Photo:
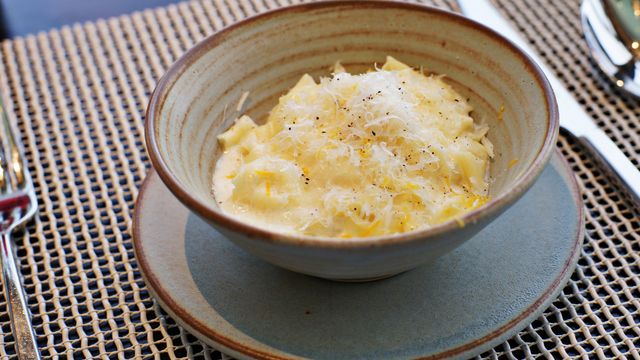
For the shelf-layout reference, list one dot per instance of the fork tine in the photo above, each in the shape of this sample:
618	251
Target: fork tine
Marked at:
18	167
13	163
4	182
5	176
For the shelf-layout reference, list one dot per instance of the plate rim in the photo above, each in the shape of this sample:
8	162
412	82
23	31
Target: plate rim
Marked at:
235	348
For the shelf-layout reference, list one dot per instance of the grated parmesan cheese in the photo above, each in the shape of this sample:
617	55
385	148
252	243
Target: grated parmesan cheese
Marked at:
388	151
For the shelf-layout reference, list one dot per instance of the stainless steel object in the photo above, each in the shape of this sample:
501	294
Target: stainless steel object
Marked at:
17	205
625	18
611	35
572	117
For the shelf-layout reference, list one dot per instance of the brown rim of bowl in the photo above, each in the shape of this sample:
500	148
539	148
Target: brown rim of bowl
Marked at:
208	212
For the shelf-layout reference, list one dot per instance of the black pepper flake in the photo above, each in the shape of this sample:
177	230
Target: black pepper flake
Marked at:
317	117
373	133
289	128
324	132
306	178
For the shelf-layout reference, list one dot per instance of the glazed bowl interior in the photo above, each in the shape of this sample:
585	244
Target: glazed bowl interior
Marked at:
266	55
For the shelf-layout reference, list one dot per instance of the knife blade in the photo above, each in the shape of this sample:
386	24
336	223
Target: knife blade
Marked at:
573	118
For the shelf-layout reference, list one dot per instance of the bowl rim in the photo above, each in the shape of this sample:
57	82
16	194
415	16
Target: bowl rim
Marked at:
494	206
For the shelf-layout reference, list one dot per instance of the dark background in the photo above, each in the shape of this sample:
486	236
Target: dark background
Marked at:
21	17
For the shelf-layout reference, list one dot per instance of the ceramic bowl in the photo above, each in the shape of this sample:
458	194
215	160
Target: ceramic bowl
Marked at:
265	55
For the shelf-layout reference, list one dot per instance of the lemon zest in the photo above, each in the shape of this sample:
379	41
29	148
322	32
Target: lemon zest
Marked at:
264	173
501	113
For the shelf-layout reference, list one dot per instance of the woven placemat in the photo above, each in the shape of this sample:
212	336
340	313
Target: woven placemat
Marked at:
78	96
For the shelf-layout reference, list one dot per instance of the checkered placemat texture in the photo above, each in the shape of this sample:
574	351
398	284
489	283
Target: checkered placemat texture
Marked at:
78	97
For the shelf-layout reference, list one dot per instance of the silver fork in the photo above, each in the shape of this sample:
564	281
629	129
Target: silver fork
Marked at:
18	204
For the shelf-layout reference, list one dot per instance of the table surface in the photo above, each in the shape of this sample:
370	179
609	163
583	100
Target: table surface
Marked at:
78	97
19	17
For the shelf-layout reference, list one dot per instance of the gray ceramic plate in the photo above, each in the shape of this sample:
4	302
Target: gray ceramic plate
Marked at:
466	302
